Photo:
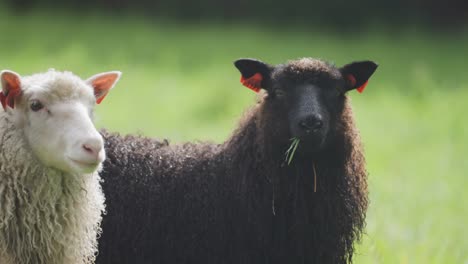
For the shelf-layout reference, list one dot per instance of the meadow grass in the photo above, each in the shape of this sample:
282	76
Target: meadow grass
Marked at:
179	83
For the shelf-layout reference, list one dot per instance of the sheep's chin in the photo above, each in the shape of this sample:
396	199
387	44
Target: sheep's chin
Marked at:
80	167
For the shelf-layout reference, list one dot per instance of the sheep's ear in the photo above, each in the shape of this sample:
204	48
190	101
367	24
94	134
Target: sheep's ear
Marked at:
255	74
102	83
11	88
357	74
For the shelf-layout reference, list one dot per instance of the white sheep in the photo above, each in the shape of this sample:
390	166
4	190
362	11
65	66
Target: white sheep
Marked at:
50	195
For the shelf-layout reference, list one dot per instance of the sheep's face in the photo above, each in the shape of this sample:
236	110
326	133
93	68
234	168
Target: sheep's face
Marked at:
308	109
55	112
304	98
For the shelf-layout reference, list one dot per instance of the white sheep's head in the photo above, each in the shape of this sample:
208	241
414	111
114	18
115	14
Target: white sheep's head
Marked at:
54	110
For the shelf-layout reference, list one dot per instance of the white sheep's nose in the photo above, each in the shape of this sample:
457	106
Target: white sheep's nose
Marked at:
93	148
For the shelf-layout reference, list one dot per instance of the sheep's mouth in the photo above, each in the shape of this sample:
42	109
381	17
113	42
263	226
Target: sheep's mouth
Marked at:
310	141
85	164
309	145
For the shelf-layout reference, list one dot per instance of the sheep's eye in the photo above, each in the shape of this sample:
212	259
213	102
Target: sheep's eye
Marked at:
36	105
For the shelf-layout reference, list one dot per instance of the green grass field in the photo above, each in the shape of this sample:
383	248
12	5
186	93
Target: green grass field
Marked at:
179	83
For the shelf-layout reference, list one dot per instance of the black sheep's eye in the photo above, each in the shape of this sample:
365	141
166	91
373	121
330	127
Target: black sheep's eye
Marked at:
36	105
280	93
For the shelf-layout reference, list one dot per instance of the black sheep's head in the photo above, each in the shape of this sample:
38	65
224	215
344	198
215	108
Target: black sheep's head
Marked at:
304	97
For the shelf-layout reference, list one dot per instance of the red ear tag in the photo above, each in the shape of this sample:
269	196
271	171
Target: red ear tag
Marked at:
362	87
3	100
254	83
9	99
12	95
352	81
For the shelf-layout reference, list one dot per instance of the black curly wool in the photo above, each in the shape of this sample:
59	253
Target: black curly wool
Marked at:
236	202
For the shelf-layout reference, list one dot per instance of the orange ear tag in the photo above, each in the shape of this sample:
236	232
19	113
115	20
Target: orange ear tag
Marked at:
254	83
9	99
352	82
361	88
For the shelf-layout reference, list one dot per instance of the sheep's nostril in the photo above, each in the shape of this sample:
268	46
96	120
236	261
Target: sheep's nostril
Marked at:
89	149
92	146
311	124
317	125
304	125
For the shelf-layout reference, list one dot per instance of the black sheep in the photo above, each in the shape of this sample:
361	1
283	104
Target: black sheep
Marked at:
240	201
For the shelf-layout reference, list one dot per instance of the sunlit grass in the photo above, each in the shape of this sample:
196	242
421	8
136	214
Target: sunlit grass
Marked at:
179	82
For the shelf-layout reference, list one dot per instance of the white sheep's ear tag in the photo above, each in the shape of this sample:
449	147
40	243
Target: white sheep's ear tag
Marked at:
102	83
11	88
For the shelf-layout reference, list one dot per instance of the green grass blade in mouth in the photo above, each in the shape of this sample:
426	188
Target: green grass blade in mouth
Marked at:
292	149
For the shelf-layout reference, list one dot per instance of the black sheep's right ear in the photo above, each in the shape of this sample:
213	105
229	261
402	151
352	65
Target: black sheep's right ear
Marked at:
255	74
357	74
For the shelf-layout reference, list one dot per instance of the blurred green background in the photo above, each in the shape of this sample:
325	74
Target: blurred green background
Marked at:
179	83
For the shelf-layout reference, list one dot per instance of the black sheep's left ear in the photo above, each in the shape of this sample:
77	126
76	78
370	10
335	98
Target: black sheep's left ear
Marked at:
357	74
255	74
